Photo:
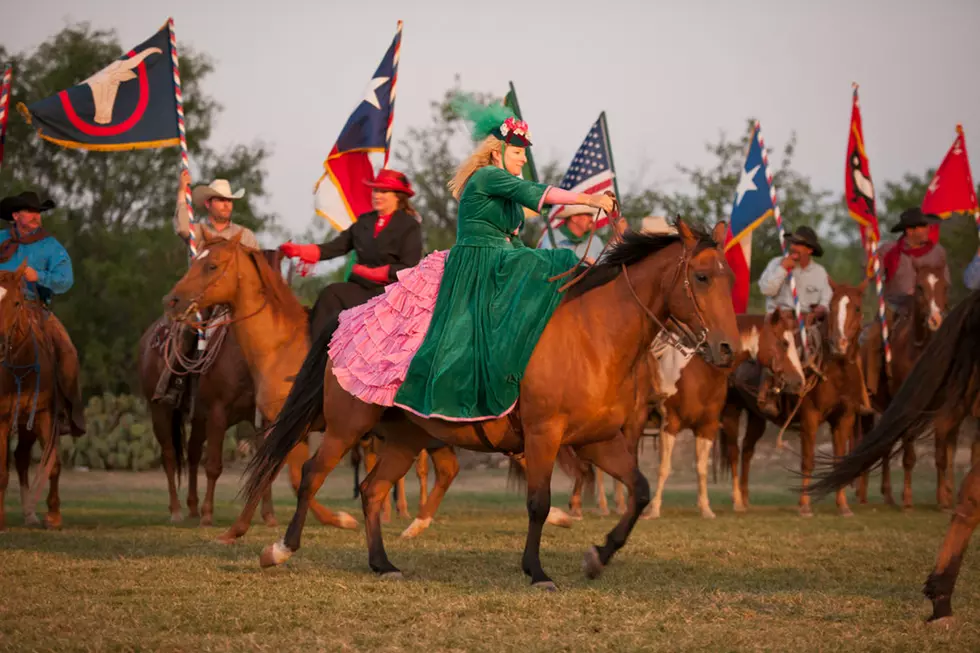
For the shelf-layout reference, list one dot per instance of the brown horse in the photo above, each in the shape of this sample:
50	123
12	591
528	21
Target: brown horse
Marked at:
832	395
943	385
911	328
28	396
620	303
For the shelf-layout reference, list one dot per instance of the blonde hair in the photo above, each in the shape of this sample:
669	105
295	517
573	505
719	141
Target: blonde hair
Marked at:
482	156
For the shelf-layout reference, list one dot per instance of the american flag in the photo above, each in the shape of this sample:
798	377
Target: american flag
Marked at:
591	170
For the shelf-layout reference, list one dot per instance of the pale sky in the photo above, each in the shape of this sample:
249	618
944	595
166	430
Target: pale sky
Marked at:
670	75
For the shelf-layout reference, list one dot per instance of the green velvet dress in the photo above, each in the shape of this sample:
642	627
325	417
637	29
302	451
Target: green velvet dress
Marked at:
494	301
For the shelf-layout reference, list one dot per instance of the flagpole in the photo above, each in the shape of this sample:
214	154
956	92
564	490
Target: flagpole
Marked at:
394	80
612	164
4	106
530	164
976	207
185	167
782	237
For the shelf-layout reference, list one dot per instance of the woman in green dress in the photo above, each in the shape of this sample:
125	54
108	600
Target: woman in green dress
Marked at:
495	297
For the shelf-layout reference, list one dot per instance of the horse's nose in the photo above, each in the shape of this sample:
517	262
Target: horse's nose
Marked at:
170	301
726	353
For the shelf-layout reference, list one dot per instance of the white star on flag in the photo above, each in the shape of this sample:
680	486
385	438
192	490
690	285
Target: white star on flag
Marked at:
746	184
371	97
934	185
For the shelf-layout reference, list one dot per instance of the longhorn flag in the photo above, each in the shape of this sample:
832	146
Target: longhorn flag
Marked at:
859	191
348	166
753	204
951	190
130	104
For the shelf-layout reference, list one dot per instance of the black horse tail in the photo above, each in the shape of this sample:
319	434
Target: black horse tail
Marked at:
355	461
303	405
177	439
941	378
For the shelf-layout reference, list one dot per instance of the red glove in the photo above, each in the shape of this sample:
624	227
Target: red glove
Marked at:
306	253
377	275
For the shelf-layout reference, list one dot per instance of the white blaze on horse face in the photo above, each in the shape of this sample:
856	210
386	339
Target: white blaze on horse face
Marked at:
3	291
842	315
935	315
672	364
203	253
794	355
750	342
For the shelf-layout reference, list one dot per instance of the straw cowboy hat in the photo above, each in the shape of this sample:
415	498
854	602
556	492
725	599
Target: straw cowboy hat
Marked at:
569	210
217	188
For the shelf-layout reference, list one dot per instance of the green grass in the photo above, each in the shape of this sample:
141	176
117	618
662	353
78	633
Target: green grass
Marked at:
119	577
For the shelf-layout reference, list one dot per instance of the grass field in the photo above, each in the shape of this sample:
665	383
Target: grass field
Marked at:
119	577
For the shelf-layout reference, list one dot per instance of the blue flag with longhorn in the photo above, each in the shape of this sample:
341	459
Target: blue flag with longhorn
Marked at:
130	104
753	204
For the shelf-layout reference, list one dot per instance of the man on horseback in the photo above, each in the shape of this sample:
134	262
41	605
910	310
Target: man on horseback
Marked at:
48	273
899	261
217	199
573	233
813	288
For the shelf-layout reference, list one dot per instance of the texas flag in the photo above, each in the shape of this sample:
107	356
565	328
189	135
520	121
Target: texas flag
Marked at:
951	190
753	204
348	166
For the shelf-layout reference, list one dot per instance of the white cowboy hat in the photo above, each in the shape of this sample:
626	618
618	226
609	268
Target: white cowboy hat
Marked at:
569	210
217	188
657	224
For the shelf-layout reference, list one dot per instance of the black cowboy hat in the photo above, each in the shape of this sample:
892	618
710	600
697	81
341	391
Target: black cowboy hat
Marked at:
914	217
807	237
27	200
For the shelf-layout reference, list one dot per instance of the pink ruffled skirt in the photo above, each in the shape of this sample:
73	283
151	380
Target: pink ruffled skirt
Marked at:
376	341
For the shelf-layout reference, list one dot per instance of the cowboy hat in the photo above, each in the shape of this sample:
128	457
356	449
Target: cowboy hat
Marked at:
914	217
569	210
217	188
28	200
808	238
391	180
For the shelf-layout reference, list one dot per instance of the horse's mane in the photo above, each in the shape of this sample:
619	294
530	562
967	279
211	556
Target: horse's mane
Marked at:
277	292
634	247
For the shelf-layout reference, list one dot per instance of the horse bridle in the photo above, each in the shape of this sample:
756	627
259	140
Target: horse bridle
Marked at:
192	307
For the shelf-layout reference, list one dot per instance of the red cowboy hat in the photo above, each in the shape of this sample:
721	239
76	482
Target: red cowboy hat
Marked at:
391	180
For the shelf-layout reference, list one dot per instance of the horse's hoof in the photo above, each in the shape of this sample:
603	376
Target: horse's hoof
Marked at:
806	512
176	517
707	513
31	520
416	527
592	566
942	623
226	538
558	517
846	512
193	513
546	585
207	520
274	555
344	520
53	523
270	521
602	512
392	575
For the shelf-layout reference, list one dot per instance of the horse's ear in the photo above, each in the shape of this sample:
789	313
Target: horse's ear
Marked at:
210	237
718	234
237	238
686	234
776	317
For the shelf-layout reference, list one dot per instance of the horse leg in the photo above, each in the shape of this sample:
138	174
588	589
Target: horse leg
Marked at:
842	430
296	458
667	438
946	440
541	450
730	416
401	501
886	481
422	471
615	457
195	449
337	441
704	439
44	428
22	461
620	497
370	460
446	465
213	426
755	427
4	470
575	500
809	423
162	420
908	464
602	506
866	424
939	586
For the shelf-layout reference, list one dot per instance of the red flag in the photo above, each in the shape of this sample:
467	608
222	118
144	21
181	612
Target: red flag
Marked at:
951	190
859	191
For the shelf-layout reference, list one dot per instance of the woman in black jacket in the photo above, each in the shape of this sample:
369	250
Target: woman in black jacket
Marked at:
385	240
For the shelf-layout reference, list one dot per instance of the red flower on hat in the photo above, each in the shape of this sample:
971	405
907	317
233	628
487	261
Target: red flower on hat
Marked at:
513	125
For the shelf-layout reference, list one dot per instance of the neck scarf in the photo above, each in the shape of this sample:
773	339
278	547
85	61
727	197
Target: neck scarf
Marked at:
894	255
9	247
578	240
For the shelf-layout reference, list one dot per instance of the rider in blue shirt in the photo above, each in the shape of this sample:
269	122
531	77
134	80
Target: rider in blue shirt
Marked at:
48	273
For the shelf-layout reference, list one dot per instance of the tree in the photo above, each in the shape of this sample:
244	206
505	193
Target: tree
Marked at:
115	208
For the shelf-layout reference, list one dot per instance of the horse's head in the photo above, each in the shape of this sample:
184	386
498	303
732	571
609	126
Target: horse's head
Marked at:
931	295
13	298
777	349
844	318
701	298
212	279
